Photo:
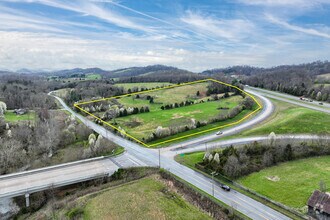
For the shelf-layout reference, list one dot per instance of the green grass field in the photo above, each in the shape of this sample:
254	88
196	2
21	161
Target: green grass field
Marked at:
10	116
93	76
290	183
141	126
323	78
142	199
292	119
204	130
127	86
148	122
168	96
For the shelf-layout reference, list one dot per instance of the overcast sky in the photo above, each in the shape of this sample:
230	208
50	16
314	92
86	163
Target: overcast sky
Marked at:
190	34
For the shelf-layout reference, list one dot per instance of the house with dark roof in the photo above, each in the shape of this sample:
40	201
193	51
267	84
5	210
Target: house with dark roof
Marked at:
319	205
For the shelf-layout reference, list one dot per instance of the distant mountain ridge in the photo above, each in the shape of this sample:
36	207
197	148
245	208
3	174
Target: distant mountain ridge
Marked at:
314	68
124	72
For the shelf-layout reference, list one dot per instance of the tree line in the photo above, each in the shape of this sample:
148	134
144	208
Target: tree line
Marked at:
235	162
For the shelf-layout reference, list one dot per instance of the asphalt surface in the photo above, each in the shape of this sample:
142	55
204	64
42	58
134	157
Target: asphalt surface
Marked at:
291	99
64	174
174	150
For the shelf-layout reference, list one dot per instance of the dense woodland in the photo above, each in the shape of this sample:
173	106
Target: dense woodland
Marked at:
26	91
298	80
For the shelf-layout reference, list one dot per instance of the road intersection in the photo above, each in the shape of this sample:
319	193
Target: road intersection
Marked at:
136	155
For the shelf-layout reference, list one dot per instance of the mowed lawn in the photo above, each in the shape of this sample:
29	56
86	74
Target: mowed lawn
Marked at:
10	116
292	119
290	183
146	198
148	122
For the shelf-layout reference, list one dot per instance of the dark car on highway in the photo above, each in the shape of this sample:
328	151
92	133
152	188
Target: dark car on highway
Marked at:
225	187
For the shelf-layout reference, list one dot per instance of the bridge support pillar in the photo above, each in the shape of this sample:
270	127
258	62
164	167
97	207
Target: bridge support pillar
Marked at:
27	199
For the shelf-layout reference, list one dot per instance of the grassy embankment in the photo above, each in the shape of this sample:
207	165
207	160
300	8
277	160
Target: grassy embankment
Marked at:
292	119
142	199
290	183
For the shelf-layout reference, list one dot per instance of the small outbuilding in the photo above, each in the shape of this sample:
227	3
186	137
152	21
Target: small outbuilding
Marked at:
20	111
319	205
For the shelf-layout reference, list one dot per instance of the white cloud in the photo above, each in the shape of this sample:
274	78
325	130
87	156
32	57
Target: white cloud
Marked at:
229	29
286	3
309	31
91	9
63	52
194	40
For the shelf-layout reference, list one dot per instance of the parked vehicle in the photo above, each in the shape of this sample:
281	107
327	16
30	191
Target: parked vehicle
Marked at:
225	187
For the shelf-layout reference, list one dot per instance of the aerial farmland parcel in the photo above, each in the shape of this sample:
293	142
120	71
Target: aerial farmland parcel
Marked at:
163	114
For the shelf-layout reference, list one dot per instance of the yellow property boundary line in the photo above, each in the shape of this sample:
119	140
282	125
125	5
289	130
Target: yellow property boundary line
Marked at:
77	105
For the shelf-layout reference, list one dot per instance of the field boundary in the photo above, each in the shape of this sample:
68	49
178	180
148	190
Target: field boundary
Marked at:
77	105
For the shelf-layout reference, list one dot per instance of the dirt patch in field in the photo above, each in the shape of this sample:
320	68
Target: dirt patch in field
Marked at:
133	123
177	115
181	115
273	178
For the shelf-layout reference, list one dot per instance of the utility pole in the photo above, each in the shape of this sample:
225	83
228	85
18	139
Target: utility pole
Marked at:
159	157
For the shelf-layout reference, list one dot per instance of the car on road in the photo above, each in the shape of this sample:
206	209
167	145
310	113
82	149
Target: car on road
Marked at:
225	187
321	103
219	133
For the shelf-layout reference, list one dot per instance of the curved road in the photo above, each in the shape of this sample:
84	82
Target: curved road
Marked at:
171	152
266	111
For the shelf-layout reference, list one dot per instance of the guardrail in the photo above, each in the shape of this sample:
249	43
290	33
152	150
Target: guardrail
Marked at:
14	175
53	185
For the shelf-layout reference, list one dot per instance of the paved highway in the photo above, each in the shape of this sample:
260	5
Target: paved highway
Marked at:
291	99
